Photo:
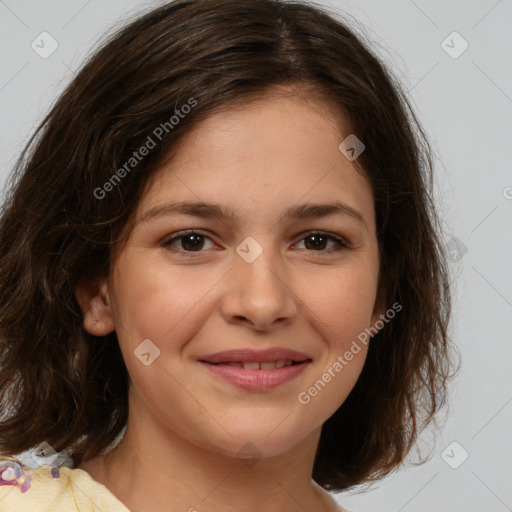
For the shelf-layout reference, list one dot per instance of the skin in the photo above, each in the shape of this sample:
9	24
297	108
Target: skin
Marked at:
185	424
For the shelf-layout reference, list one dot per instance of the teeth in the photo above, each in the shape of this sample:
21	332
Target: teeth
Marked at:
270	365
251	366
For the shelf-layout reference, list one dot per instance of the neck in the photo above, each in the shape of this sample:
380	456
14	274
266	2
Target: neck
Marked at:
153	467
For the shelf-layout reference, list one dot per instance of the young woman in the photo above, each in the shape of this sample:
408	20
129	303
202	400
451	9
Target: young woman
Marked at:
221	278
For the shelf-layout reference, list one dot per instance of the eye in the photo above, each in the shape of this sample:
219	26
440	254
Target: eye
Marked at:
317	240
192	241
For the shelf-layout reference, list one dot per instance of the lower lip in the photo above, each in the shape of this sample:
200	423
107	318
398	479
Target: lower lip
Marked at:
257	380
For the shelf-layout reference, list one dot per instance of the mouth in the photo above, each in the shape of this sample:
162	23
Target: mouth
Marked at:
260	365
265	358
256	370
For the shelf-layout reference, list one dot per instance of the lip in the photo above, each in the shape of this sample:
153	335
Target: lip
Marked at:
252	355
257	380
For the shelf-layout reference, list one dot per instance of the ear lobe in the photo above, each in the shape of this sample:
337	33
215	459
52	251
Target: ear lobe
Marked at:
95	304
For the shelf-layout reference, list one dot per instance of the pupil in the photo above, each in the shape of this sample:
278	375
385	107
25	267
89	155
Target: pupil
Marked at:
195	243
318	241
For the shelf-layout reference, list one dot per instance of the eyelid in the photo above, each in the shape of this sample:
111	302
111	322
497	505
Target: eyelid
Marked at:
342	244
331	236
166	242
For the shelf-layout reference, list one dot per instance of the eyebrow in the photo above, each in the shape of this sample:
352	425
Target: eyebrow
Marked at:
217	211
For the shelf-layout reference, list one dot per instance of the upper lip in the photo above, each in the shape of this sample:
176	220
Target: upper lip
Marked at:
252	355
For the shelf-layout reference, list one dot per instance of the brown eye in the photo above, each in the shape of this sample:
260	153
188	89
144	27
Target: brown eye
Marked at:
317	242
189	241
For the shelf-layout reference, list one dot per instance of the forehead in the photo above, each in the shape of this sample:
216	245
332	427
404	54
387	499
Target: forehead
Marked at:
276	150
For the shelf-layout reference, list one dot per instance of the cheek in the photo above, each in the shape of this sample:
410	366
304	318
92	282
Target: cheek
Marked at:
341	313
154	302
343	304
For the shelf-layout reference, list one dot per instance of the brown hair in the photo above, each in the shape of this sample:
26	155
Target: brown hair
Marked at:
68	387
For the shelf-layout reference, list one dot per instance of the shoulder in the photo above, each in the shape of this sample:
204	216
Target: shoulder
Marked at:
22	488
52	489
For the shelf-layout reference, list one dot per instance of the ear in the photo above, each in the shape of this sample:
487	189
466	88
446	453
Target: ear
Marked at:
94	300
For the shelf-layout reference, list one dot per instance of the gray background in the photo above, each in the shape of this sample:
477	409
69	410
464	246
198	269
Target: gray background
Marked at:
465	105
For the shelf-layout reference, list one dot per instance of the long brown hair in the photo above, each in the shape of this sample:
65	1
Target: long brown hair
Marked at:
66	213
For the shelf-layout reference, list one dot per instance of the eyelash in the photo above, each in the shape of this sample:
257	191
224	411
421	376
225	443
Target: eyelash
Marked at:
341	243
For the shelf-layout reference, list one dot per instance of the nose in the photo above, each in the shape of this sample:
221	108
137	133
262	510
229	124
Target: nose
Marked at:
260	293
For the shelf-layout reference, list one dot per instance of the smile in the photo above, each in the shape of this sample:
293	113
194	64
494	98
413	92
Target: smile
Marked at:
257	376
254	365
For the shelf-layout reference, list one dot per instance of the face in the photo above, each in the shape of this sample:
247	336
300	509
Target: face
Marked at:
261	277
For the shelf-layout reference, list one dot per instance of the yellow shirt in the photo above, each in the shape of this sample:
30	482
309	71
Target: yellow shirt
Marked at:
43	490
38	490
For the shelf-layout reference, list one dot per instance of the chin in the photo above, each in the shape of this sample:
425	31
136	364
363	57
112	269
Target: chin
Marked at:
254	444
